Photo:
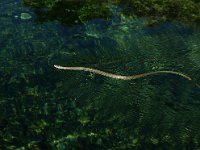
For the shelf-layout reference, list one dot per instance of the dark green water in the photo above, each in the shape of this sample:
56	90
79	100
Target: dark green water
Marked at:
45	108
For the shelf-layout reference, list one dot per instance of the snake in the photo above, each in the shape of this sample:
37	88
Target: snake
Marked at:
124	77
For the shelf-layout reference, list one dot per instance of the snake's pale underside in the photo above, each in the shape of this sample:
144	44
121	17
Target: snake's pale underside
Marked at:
123	77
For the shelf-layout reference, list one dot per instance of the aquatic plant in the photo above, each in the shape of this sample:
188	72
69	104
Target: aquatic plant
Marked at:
69	12
164	10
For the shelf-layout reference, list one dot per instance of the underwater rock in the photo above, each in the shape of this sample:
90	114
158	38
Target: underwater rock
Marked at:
25	16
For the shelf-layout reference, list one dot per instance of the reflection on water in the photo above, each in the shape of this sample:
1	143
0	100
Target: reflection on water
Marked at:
42	107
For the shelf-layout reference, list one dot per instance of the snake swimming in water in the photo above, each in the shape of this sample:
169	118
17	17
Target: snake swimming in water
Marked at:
123	77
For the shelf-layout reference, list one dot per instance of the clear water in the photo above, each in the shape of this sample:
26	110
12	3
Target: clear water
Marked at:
45	108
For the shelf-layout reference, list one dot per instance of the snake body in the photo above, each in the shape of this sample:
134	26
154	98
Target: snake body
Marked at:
122	77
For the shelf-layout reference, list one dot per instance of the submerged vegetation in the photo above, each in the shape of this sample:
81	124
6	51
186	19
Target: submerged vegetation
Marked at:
69	12
73	11
164	10
45	108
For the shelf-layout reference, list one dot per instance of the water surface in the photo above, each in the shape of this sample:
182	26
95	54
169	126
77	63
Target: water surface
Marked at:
45	108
